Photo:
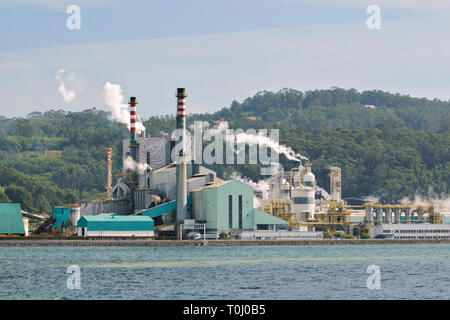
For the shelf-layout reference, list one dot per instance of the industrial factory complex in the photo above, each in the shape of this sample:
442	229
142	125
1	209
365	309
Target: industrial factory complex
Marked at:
156	197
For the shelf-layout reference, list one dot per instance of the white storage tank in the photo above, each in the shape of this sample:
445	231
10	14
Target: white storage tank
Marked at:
304	202
309	179
75	215
285	191
26	226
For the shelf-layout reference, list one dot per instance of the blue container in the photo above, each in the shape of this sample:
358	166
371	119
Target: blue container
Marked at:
61	215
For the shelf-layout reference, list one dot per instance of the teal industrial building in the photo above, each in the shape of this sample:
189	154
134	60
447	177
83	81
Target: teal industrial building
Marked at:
61	215
11	220
115	225
227	206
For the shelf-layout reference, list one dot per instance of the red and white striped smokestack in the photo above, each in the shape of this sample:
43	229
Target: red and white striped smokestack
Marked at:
133	114
134	146
181	211
181	105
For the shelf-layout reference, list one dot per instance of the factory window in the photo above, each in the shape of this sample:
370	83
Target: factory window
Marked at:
230	211
303	200
148	158
240	211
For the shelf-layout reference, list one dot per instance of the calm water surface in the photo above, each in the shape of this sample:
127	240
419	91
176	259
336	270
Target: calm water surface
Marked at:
260	272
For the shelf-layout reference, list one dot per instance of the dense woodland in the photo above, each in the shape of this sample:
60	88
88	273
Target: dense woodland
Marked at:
397	149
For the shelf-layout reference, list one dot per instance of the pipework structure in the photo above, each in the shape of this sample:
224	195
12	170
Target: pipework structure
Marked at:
335	183
181	209
377	214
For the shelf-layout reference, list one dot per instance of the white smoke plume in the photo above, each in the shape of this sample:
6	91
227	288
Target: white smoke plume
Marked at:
442	202
261	139
372	199
112	94
130	164
261	186
67	95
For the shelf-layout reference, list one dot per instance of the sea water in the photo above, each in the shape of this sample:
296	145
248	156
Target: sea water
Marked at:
247	272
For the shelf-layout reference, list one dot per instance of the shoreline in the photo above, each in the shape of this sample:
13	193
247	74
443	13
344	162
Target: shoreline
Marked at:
145	242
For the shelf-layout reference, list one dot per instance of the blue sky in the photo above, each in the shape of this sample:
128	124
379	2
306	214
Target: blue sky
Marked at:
218	50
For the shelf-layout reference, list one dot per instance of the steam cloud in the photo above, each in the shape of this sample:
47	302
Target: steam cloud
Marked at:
67	95
442	203
261	186
260	139
112	94
130	164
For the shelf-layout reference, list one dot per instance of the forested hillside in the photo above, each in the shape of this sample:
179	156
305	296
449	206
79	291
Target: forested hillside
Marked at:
388	145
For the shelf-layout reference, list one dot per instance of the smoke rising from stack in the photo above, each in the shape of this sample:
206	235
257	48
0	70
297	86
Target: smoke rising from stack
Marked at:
372	199
262	140
130	164
442	203
261	186
67	95
112	95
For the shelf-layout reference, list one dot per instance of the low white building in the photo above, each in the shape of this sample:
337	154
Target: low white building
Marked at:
412	231
281	235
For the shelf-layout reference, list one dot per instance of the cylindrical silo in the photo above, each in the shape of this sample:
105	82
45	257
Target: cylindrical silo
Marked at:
25	226
304	202
75	215
309	179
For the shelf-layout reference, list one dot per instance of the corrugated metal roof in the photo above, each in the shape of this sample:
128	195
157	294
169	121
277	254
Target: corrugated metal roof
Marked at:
163	208
117	223
11	221
260	217
214	185
167	168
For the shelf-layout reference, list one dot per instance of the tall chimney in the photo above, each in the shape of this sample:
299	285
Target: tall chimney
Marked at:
109	181
133	144
133	151
181	161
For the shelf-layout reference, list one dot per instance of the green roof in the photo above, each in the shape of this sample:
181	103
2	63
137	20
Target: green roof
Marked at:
260	217
117	223
11	221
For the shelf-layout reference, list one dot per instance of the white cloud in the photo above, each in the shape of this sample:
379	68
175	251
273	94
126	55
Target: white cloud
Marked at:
67	95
